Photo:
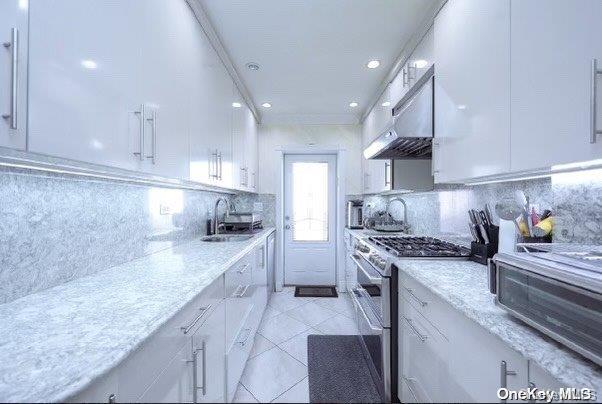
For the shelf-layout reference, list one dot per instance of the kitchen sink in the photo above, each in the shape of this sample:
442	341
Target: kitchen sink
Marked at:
227	238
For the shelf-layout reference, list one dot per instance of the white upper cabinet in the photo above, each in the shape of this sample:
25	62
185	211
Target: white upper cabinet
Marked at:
251	144
13	74
376	173
553	45
472	89
167	69
85	63
211	120
422	58
239	175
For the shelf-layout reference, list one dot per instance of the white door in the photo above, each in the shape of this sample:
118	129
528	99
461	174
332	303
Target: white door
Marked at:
309	219
13	73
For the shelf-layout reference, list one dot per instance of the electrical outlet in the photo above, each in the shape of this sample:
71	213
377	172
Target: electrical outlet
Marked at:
165	210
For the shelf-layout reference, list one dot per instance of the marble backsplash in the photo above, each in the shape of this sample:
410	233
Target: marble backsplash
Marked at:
56	228
574	198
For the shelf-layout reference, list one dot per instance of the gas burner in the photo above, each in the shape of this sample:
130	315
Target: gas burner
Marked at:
420	247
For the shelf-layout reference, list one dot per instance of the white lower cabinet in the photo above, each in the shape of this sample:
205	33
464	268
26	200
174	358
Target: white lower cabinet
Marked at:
445	356
198	355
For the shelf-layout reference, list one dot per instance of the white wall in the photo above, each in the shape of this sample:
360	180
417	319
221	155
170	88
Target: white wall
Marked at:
273	138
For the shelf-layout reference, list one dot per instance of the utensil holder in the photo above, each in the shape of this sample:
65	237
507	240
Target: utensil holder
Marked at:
481	252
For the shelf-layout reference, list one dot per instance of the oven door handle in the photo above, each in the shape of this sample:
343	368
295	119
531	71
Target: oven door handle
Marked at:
363	312
374	280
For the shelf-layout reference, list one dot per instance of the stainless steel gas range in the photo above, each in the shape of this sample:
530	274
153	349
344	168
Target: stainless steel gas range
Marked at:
375	297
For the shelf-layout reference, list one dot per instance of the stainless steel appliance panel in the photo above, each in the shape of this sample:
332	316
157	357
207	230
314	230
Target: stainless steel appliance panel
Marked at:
569	314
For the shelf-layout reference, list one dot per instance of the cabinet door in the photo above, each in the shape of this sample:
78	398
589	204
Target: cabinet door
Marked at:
85	80
209	346
13	73
380	175
238	142
477	360
422	58
424	367
472	89
251	149
211	120
174	384
542	380
168	51
551	116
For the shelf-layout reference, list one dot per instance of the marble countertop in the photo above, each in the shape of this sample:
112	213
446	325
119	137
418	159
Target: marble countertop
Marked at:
54	343
463	284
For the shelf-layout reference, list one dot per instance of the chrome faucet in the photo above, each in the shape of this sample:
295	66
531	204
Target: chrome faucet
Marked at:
405	208
216	226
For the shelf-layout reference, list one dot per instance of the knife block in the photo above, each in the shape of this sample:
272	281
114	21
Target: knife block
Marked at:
481	252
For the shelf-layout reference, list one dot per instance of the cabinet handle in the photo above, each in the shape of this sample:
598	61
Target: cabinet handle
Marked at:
410	383
404	72
219	159
153	119
204	310
410	70
195	375
242	293
142	114
387	174
14	78
243	269
411	292
411	324
247	334
242	177
594	102
504	373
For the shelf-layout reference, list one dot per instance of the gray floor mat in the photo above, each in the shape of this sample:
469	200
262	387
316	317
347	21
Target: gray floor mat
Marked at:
338	372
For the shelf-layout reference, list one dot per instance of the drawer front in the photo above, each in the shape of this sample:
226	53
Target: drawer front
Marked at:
144	365
424	357
426	303
240	292
238	354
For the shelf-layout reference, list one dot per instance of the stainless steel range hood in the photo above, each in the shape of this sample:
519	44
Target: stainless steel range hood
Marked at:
411	135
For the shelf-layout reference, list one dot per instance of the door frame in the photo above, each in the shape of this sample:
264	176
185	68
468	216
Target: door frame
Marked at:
340	193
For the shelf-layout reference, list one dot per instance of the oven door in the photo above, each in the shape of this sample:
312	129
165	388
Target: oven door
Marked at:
376	287
375	342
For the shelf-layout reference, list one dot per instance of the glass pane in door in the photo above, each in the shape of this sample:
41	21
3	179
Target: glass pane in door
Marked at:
310	201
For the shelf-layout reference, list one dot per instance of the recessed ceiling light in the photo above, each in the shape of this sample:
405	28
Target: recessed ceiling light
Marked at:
373	64
266	105
421	64
236	104
386	104
89	64
353	104
252	66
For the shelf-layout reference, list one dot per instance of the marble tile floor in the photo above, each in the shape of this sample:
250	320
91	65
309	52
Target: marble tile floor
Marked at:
277	367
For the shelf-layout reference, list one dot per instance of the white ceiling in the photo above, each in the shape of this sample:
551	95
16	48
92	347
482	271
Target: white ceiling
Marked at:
313	53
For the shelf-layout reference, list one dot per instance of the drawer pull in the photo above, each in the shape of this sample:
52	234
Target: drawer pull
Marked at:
415	330
241	293
243	269
247	333
204	310
411	292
